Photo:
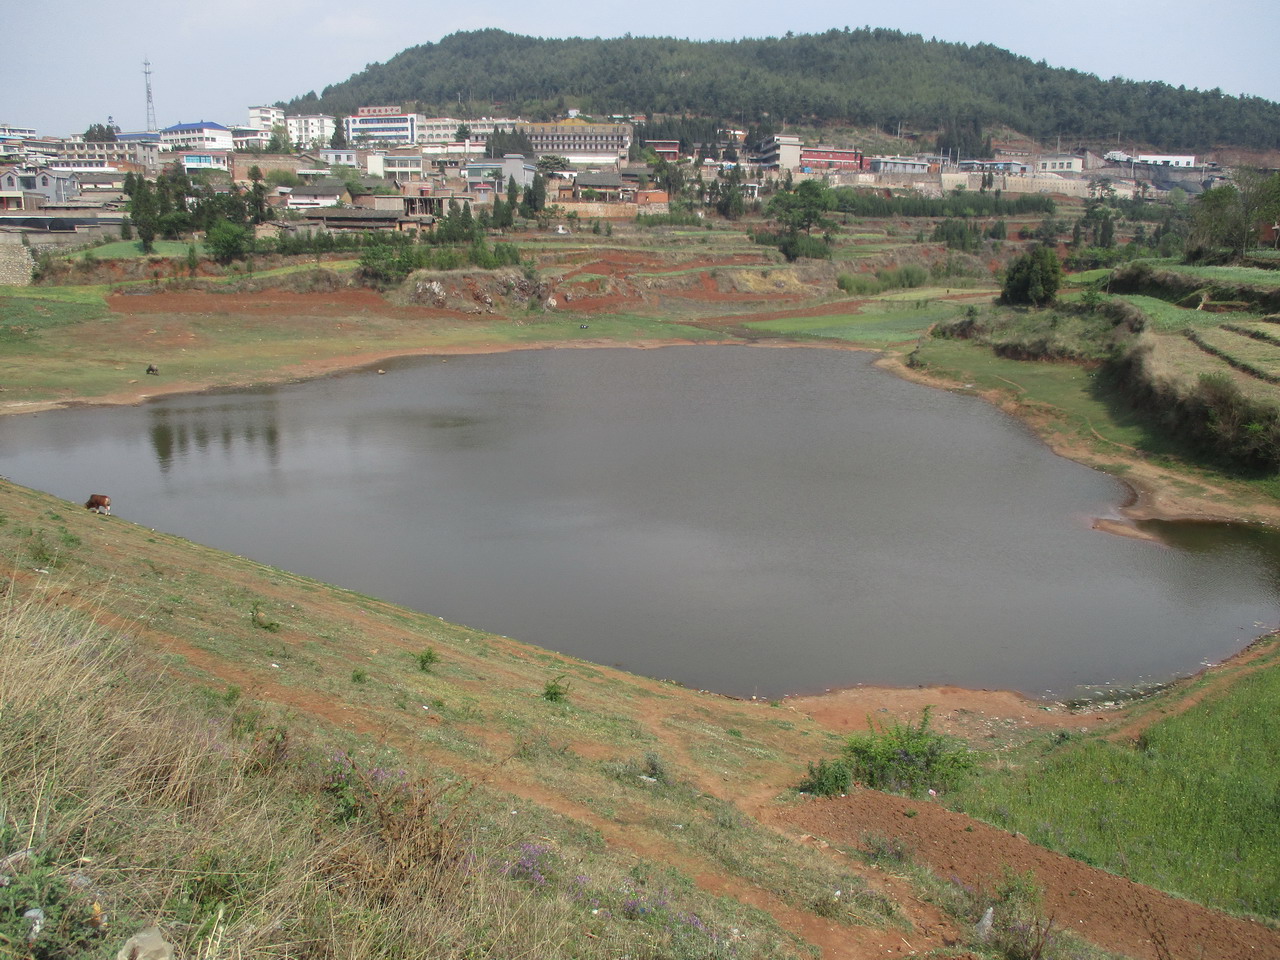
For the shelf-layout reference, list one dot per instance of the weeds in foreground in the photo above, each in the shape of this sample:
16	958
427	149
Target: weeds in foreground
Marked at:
125	802
555	691
904	758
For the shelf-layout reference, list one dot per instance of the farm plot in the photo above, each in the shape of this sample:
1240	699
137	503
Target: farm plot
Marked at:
1257	358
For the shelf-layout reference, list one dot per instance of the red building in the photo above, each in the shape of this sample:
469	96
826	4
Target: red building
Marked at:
818	158
668	150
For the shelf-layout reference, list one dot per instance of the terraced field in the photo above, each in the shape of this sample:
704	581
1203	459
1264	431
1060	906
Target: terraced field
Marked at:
1257	358
1267	328
1178	359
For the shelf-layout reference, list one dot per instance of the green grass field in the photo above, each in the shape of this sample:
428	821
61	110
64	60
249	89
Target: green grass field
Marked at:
126	249
1252	276
873	325
1164	316
1190	808
1065	389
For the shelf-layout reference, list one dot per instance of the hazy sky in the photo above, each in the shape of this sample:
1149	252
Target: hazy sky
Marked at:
214	61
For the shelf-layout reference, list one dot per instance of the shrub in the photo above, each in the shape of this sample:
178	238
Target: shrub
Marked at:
555	691
858	284
908	276
908	758
828	778
427	659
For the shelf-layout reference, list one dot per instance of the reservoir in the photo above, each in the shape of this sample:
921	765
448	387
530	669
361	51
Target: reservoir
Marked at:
747	520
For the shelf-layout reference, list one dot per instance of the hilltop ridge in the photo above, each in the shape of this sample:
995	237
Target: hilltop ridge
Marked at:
869	76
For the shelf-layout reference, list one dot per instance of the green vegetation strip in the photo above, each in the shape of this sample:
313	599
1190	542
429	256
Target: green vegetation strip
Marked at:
132	249
1250	276
1190	807
1164	316
874	326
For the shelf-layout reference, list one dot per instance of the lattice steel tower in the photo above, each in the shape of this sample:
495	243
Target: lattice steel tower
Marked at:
151	104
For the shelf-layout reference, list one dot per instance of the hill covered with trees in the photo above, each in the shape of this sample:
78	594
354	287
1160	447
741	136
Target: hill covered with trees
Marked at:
841	77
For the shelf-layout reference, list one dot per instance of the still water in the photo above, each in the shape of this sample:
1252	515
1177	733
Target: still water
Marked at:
752	521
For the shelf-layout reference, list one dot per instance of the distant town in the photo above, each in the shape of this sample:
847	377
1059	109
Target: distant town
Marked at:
386	169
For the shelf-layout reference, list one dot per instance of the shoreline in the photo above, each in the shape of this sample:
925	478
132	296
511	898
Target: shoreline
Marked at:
1153	493
1152	497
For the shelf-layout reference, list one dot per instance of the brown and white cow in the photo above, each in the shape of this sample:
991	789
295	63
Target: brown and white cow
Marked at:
99	503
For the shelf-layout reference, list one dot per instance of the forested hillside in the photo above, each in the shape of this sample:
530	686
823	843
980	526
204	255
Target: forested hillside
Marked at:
841	77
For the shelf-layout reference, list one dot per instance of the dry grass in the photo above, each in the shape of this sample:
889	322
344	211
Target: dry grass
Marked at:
1178	362
126	802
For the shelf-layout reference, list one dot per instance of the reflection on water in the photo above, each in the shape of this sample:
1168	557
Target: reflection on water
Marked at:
176	433
752	521
1251	549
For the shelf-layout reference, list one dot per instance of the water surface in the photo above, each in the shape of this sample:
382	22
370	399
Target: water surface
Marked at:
753	521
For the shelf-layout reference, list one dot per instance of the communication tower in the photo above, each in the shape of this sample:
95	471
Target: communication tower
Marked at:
151	104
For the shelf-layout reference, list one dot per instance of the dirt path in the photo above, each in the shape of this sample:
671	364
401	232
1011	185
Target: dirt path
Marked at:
1113	912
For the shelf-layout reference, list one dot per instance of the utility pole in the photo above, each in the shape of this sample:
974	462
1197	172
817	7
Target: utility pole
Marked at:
151	104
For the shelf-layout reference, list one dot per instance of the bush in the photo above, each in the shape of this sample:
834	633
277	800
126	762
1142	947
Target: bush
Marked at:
1033	278
795	245
555	691
828	778
908	758
908	276
858	284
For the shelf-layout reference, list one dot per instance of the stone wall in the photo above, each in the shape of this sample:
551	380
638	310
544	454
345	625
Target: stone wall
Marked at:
15	264
594	210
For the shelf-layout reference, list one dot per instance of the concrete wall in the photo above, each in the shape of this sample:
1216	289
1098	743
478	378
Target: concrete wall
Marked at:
80	237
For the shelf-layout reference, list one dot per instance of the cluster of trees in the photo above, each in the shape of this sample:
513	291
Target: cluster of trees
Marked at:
102	132
1229	217
862	77
176	205
957	203
794	245
811	203
500	143
968	236
390	258
705	135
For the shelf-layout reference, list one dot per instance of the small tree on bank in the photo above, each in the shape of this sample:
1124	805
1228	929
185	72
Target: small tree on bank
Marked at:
1033	278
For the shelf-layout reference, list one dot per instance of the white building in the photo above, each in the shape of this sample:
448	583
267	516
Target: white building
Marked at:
250	139
196	162
898	165
781	152
579	141
18	134
265	118
113	155
311	131
1160	160
339	156
443	129
397	165
383	125
1062	163
203	135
